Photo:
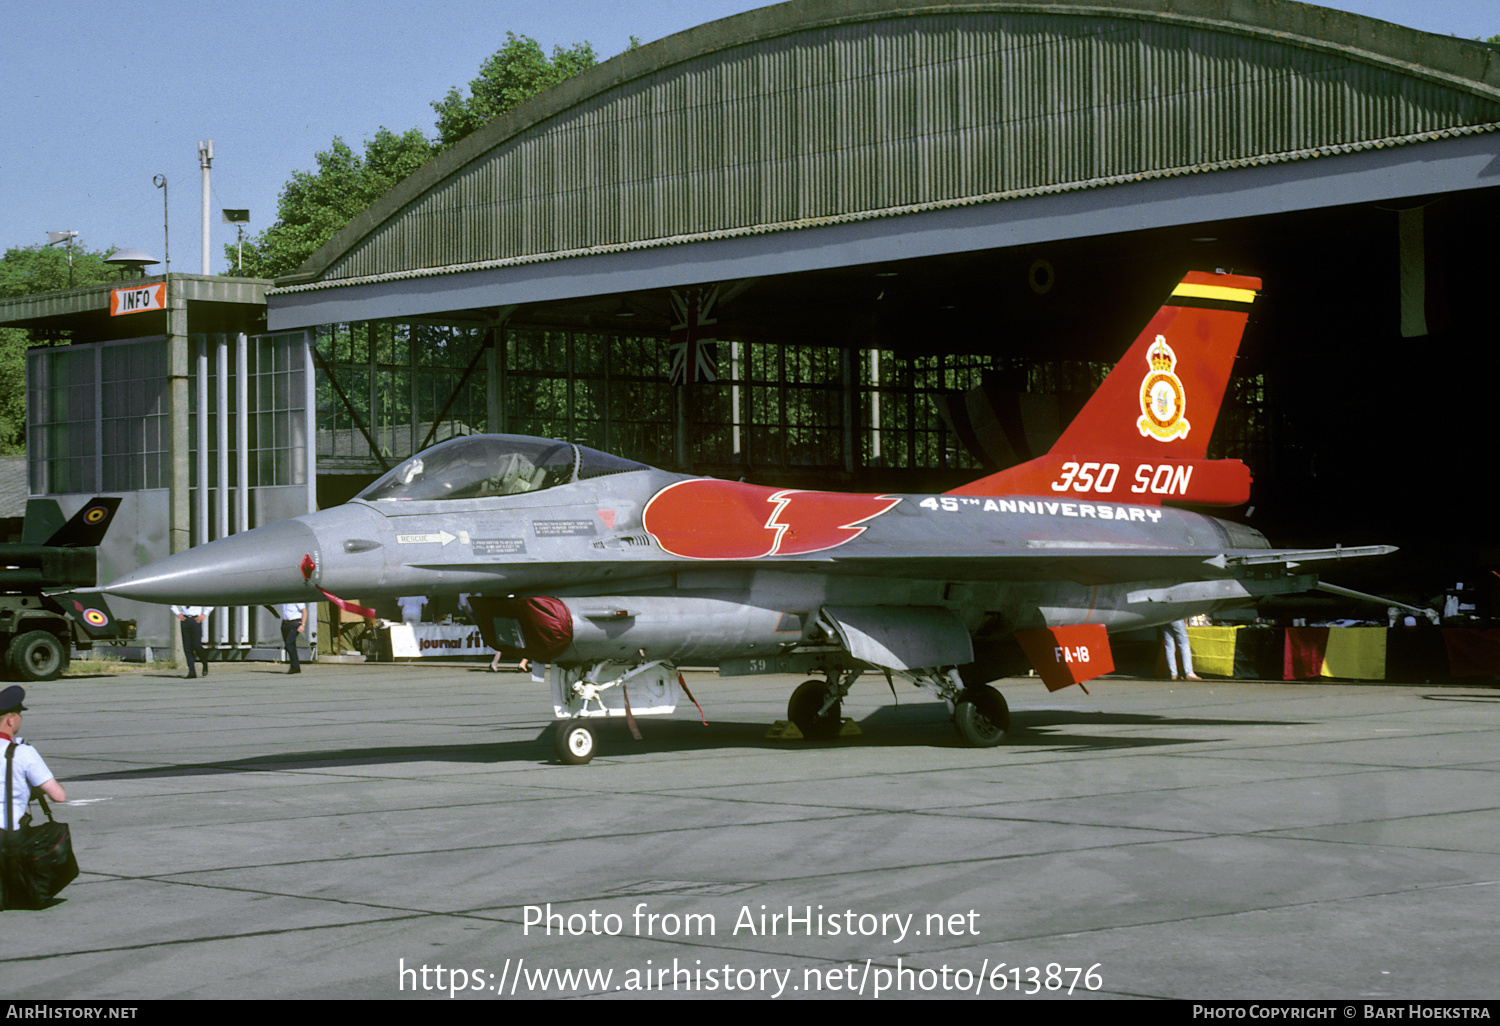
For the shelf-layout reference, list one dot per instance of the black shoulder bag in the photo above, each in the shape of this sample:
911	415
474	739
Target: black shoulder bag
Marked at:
35	861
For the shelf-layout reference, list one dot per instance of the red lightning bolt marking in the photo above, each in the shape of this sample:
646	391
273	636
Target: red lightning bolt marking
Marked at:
827	519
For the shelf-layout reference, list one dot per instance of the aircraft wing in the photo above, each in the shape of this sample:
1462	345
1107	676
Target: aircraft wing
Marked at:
1088	564
1038	561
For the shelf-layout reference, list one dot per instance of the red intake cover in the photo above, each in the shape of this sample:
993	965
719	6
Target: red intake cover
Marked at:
1068	655
546	625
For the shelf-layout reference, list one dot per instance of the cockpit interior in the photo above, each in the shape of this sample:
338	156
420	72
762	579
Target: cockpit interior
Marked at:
483	465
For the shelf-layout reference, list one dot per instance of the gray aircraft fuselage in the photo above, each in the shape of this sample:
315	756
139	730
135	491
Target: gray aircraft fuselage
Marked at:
713	567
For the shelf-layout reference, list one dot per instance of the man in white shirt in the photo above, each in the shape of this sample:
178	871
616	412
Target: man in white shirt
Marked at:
411	607
293	622
192	619
28	770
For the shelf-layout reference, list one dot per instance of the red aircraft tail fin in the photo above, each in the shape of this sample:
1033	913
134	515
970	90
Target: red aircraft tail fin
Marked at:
1143	436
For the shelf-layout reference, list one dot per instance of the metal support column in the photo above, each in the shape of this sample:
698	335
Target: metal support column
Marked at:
242	460
221	484
179	517
310	470
849	383
201	521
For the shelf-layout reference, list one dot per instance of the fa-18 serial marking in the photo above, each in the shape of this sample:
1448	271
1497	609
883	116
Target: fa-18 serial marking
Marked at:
613	572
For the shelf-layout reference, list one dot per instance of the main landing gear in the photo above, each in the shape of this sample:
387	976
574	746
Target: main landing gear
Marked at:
981	716
980	713
816	708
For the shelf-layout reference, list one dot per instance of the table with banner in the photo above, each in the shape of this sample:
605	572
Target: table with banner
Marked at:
1346	653
433	641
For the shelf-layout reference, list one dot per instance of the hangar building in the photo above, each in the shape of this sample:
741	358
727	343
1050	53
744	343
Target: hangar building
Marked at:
884	209
894	197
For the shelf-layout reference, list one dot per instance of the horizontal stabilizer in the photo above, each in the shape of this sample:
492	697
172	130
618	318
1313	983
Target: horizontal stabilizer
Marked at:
1229	589
1430	615
92	614
87	527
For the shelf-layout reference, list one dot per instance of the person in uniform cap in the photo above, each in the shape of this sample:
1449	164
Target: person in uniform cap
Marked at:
29	770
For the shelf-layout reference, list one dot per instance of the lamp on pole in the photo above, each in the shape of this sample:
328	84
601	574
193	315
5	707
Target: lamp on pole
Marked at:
161	183
53	238
238	218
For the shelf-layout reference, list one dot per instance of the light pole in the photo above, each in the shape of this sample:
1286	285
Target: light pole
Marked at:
53	238
161	183
238	218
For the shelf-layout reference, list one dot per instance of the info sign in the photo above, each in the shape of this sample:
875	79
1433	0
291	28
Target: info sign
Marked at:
138	300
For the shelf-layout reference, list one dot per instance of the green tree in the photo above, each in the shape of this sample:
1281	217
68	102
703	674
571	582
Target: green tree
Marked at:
26	271
314	205
515	73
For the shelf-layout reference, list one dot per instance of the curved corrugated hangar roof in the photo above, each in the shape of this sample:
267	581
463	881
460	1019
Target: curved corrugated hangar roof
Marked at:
826	134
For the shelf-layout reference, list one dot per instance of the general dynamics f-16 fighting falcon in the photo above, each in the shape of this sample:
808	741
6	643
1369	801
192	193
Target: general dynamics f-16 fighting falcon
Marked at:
614	573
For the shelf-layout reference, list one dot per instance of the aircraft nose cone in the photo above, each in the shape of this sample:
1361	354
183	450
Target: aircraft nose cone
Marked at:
258	566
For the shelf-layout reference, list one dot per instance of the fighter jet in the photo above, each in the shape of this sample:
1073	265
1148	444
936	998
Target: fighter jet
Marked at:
614	573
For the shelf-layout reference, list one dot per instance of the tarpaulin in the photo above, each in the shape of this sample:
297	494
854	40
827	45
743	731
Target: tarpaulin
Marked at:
1213	650
1472	652
1357	653
1302	654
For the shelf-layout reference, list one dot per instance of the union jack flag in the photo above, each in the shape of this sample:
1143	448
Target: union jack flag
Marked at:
693	336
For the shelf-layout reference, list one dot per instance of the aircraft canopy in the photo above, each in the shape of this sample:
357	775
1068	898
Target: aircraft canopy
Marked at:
480	465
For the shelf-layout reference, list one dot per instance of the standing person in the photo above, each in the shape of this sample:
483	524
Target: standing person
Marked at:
191	620
29	770
411	607
293	623
1174	637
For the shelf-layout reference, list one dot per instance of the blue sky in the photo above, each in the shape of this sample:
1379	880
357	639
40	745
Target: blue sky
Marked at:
100	96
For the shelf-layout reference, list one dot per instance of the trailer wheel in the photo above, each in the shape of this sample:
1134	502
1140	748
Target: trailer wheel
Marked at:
38	655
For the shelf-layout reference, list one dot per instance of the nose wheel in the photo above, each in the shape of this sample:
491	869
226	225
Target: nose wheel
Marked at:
574	742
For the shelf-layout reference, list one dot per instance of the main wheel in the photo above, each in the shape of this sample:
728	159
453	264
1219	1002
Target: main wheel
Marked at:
802	709
981	716
38	655
574	742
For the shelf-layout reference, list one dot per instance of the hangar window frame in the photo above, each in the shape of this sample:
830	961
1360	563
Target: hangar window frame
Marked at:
809	408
